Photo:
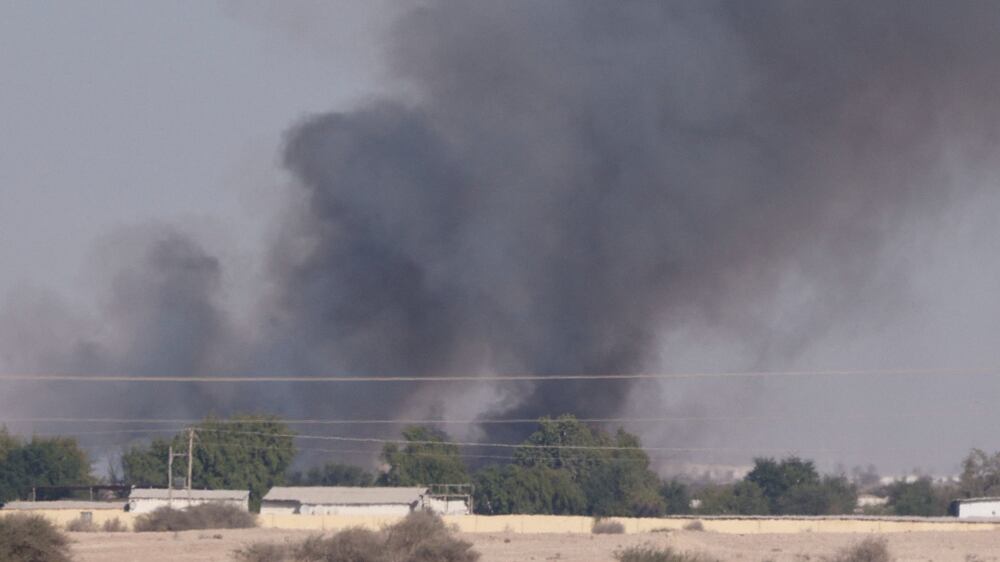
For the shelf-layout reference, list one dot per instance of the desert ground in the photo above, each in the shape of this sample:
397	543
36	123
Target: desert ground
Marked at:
190	546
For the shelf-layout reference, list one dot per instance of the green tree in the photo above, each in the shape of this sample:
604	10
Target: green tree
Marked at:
776	478
426	458
332	474
564	443
980	475
612	471
57	461
146	466
676	497
240	453
917	498
7	443
530	490
742	498
833	495
621	483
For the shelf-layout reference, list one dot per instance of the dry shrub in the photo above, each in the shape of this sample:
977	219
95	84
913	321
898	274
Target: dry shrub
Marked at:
81	525
420	537
647	553
114	526
607	527
868	550
264	552
695	525
31	538
204	516
414	529
349	545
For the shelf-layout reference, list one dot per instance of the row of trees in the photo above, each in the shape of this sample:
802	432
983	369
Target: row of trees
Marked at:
39	461
564	467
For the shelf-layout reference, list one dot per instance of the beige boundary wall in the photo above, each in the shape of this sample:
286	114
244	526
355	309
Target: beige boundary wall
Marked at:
577	524
63	516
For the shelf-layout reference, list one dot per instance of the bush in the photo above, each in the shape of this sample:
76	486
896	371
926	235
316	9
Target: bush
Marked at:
695	525
204	516
868	550
349	545
420	537
607	527
413	529
647	553
263	552
114	526
31	538
81	525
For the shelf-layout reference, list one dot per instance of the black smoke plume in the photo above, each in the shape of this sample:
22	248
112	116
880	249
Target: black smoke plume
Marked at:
561	182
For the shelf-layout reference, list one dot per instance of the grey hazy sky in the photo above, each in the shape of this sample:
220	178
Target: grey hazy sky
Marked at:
119	114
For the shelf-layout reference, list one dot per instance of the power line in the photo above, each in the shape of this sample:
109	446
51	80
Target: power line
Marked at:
472	421
342	438
46	377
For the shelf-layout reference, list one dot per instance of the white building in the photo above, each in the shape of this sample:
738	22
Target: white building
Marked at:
144	500
977	507
342	500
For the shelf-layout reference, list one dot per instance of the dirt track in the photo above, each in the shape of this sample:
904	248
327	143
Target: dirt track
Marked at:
978	546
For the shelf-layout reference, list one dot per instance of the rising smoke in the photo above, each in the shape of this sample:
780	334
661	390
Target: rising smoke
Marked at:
558	185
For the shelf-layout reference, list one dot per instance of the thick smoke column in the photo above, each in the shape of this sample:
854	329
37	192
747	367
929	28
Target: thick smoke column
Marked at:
572	177
562	181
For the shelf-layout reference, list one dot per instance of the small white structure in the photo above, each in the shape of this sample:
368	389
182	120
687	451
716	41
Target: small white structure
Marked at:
342	500
447	505
977	507
871	500
144	500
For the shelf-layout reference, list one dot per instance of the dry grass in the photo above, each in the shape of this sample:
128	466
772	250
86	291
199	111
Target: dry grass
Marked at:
204	516
868	550
31	538
649	553
607	527
81	525
420	537
695	525
114	526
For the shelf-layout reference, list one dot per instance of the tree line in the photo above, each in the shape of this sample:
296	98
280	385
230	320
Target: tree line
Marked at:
564	467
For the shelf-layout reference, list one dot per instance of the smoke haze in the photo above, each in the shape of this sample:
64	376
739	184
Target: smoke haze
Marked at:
569	187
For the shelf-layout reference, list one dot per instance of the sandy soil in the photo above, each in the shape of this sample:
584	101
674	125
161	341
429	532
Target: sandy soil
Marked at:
975	546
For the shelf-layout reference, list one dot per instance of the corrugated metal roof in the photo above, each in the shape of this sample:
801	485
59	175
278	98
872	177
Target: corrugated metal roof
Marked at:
163	493
345	495
978	500
65	504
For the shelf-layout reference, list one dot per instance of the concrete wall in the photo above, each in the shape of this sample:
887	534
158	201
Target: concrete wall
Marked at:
386	509
60	517
270	507
577	524
581	525
148	505
979	509
447	507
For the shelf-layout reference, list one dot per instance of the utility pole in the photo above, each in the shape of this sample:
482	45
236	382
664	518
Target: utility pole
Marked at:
190	456
170	475
170	470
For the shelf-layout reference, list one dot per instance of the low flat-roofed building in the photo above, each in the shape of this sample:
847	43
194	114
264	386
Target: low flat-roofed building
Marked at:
144	500
342	500
977	507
